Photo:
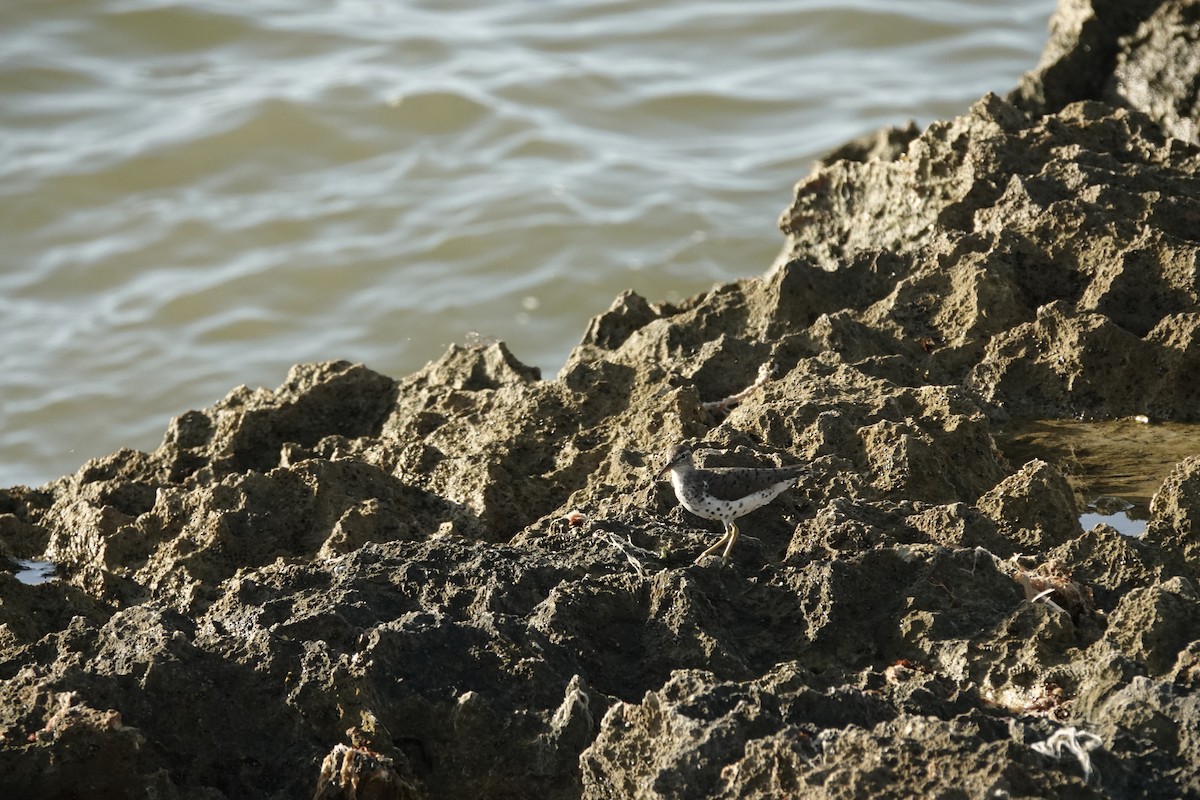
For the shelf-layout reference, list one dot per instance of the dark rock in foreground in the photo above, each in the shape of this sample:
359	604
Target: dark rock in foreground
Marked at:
457	585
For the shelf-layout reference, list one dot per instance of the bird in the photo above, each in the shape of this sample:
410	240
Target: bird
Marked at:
724	493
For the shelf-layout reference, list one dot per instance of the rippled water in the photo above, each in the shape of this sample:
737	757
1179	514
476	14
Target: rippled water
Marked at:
200	194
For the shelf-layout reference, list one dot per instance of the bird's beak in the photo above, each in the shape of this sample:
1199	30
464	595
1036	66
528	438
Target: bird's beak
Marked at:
666	468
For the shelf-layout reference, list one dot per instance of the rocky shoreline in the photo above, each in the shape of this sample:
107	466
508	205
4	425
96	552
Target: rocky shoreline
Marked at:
463	584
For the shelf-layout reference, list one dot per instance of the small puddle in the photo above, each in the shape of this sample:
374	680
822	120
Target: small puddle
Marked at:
1115	466
1121	515
33	572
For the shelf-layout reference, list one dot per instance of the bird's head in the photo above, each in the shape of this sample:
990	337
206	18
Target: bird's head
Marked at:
677	456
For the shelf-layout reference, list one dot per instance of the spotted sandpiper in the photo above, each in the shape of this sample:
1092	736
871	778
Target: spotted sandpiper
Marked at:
724	493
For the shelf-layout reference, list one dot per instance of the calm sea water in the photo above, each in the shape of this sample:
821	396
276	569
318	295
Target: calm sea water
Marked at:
196	195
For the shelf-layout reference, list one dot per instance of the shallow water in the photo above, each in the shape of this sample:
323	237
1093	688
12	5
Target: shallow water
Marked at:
1115	467
200	194
34	572
1121	521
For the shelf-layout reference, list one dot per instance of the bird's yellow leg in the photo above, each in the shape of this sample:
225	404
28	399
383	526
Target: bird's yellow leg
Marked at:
732	537
715	547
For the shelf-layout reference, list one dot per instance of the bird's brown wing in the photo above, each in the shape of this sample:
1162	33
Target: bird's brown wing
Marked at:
734	483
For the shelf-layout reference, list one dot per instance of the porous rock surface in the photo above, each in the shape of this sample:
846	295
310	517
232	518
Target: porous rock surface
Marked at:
458	584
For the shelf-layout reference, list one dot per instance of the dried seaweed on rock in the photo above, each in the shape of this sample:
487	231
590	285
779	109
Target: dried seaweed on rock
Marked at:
1054	585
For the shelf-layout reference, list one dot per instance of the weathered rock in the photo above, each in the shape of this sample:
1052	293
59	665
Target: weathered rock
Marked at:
357	773
1034	507
1110	563
1174	526
1153	625
1085	41
458	584
1158	69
